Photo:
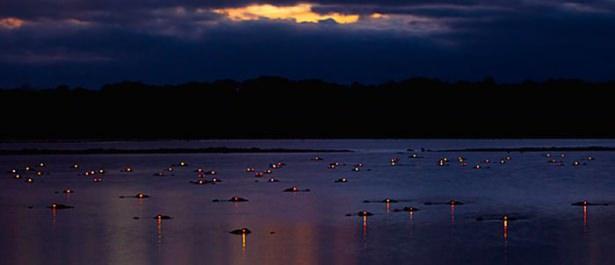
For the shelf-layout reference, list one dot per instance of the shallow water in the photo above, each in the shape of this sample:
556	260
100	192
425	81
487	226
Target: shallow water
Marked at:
311	227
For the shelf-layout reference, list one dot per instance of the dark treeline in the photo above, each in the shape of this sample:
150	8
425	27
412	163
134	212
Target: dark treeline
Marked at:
271	107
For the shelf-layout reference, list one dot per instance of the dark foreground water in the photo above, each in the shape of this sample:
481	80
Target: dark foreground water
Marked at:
311	227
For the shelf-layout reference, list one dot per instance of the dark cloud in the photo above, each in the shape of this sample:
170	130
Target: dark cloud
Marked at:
94	42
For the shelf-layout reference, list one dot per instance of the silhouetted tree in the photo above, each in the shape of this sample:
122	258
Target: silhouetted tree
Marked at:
275	107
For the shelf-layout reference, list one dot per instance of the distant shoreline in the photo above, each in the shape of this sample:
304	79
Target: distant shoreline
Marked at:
210	150
531	149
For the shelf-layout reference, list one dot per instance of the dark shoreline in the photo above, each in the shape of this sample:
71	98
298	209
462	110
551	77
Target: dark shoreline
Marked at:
279	108
532	149
210	150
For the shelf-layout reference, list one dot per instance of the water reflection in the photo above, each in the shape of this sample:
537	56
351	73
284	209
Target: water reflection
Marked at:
54	213
505	236
411	220
452	214
505	228
159	232
585	215
364	226
309	227
243	241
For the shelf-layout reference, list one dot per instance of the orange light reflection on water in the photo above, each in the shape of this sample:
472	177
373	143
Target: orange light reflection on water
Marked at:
452	214
505	225
584	215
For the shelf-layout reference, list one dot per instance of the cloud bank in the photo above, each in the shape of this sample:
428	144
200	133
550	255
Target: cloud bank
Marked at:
82	42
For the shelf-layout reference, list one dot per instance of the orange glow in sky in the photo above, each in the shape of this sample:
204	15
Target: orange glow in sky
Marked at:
11	23
299	13
378	16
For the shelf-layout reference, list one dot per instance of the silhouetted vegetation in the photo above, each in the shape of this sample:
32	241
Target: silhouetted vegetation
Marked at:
271	107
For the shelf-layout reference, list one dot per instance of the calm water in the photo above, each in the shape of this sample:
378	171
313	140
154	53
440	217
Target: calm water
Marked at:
311	227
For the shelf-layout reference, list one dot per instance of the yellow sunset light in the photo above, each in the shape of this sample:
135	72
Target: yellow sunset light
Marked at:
300	13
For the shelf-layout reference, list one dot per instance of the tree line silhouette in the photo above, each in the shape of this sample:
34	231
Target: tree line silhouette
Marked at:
274	107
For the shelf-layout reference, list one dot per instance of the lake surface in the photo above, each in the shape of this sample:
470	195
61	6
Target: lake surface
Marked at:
311	227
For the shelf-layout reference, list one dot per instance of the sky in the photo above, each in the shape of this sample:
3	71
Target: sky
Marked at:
93	42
